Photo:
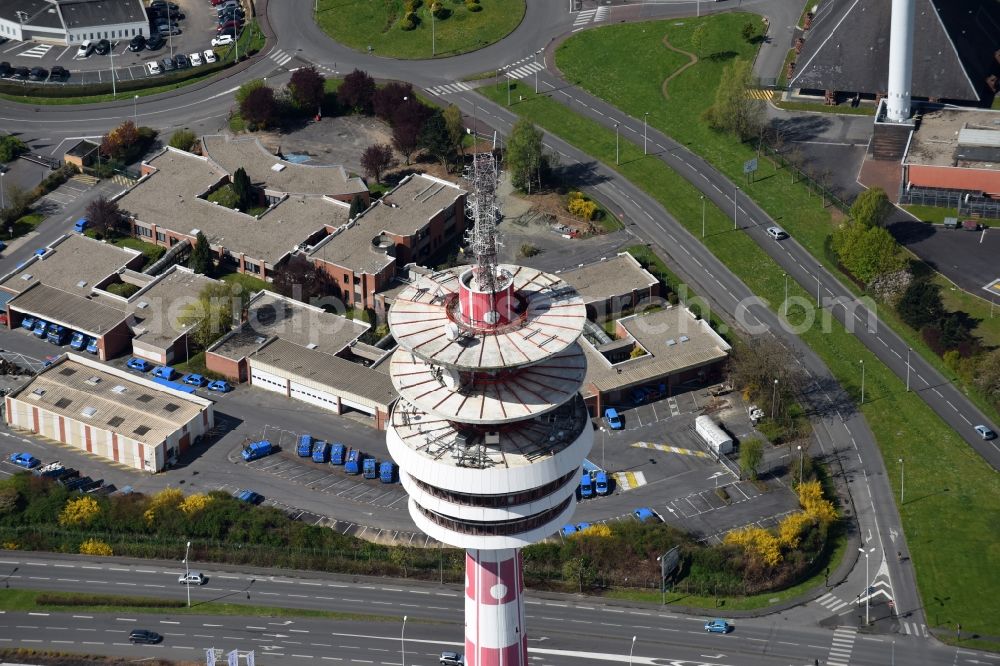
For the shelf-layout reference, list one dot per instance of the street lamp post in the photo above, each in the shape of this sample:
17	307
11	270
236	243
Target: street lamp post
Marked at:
402	643
187	572
908	350
774	398
703	216
3	201
114	88
645	116
902	473
862	361
800	464
603	437
736	206
508	87
867	585
630	651
135	110
784	304
817	289
617	160
536	72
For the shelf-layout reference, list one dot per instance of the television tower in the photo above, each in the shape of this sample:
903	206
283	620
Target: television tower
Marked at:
489	431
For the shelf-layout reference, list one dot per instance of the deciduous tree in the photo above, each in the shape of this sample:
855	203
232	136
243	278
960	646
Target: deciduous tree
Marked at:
79	512
921	304
299	278
105	216
735	111
871	207
212	314
751	455
117	143
356	94
259	108
406	136
307	87
389	97
376	159
868	252
524	155
435	139
456	127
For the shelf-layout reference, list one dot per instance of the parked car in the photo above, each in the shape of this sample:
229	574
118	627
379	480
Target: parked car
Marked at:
5	69
613	419
164	372
451	659
103	47
153	68
92	346
195	59
181	61
568	529
985	432
21	73
229	25
222	40
28	323
59	73
777	233
25	460
167	64
137	43
140	364
219	385
580	527
718	627
645	513
85	49
41	326
209	56
144	636
248	496
168	30
192	379
192	578
155	42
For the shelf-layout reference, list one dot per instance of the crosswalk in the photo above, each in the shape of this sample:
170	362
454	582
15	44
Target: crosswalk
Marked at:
450	88
525	71
37	51
914	629
629	480
280	57
843	645
588	15
763	94
832	603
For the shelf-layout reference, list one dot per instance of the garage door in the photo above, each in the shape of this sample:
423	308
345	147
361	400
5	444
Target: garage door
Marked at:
361	408
313	396
266	380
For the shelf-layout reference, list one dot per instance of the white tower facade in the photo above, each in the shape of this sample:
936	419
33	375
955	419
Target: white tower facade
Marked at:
900	60
490	431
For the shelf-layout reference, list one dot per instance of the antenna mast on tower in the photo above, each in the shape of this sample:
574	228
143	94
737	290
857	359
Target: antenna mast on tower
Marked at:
482	208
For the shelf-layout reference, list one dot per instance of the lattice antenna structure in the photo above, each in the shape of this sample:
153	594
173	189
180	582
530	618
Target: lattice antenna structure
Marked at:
483	210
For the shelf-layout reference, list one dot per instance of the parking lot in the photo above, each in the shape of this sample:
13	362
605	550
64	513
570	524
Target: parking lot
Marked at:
197	30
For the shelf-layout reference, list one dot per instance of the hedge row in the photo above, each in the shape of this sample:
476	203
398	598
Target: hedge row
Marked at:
105	600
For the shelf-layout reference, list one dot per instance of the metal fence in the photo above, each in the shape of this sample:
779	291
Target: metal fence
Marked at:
809	179
966	204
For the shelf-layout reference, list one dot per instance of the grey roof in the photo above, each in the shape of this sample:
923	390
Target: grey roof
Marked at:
171	198
937	140
76	312
157	305
35	9
654	331
411	204
271	315
101	13
266	169
351	247
847	49
67	387
70	261
327	371
609	277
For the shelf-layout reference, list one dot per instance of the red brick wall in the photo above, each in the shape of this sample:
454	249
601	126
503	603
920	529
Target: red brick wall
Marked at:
116	341
234	370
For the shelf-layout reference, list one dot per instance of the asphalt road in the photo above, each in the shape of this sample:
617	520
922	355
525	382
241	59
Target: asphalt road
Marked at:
564	628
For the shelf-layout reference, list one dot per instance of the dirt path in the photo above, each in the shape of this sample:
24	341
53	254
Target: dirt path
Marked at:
692	59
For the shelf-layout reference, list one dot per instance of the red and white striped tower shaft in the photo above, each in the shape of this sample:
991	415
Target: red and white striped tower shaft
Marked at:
489	431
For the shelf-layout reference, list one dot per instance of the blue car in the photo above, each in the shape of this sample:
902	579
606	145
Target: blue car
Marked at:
142	365
220	385
644	513
613	419
718	627
164	372
25	460
92	346
568	529
582	527
28	323
248	496
194	380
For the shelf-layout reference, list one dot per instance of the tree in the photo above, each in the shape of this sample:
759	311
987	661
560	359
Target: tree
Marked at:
814	504
11	147
456	127
921	304
524	154
95	547
79	512
308	88
791	528
246	196
117	143
357	92
387	99
259	109
376	159
868	252
755	365
201	255
871	208
300	279
406	136
105	216
698	38
751	455
183	139
358	206
735	111
748	31
18	201
436	140
244	90
212	315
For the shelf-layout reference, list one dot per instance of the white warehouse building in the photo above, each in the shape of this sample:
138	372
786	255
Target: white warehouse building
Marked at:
72	21
110	413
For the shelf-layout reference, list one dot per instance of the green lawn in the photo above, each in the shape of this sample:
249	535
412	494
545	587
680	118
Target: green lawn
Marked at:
950	521
25	224
361	24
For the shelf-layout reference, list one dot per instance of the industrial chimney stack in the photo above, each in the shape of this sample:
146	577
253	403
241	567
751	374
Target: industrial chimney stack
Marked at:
900	61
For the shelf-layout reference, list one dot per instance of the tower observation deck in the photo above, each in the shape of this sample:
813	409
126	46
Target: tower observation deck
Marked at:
490	431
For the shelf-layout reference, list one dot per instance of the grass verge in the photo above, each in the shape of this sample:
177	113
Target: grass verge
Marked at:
34	600
950	521
376	26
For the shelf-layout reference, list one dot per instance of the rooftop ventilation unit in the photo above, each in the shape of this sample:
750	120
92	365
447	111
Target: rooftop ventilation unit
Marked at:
81	284
671	342
94	381
119	389
89	411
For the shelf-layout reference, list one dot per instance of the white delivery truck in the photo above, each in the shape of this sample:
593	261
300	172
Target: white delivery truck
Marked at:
714	436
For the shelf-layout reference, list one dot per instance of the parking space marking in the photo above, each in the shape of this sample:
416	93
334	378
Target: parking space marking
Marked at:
629	480
670	449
